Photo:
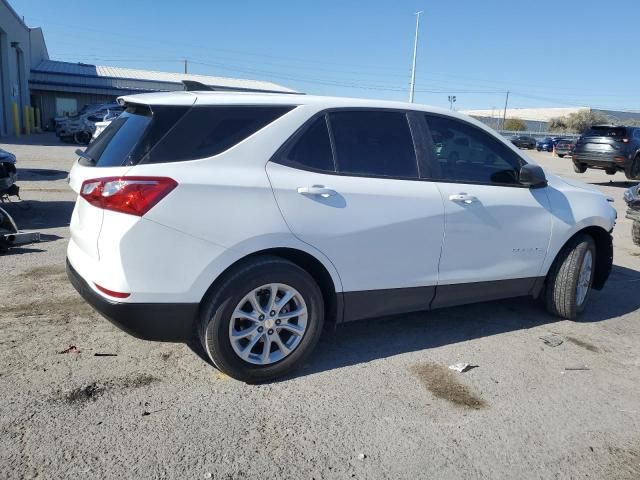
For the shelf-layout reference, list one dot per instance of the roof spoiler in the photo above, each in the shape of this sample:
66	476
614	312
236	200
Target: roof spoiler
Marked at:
193	86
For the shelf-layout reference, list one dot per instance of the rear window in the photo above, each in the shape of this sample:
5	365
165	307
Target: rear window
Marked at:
177	133
116	143
616	132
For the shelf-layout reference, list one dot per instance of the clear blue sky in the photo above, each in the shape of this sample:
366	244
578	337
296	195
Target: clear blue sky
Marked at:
547	53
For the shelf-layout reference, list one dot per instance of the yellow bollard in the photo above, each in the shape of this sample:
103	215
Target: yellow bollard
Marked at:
16	120
27	130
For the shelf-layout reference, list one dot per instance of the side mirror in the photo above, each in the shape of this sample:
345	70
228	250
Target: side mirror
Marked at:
532	176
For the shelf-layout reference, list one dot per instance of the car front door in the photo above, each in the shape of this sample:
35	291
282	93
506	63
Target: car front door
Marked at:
349	185
496	230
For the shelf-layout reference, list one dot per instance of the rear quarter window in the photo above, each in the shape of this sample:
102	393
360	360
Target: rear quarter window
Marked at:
155	134
207	131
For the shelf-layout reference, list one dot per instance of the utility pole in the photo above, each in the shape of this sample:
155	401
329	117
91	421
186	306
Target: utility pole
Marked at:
452	100
504	115
185	65
415	54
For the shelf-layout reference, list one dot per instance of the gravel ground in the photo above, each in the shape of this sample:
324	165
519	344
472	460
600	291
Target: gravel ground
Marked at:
375	401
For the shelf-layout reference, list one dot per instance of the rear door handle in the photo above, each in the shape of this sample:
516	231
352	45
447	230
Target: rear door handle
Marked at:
463	198
321	190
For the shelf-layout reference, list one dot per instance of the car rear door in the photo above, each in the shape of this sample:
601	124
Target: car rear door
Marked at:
348	184
496	230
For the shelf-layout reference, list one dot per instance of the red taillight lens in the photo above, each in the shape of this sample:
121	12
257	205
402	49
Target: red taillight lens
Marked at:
131	195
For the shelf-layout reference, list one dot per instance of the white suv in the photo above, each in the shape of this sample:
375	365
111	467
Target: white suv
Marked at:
250	220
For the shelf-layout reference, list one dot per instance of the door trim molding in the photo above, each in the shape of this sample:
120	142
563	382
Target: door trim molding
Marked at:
363	304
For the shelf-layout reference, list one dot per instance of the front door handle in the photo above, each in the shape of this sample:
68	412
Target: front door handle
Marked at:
324	192
463	198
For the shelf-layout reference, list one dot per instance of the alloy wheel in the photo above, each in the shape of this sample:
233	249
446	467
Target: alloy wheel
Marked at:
268	324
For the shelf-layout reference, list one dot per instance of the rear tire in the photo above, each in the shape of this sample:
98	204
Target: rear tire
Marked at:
223	315
569	281
610	172
561	155
579	168
635	232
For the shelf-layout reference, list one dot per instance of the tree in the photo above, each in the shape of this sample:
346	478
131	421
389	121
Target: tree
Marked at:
514	125
557	124
583	119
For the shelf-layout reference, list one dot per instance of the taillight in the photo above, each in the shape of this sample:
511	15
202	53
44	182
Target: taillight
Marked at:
131	195
625	140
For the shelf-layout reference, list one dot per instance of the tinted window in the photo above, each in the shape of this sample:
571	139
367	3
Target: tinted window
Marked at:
483	159
312	149
115	145
616	132
376	143
208	131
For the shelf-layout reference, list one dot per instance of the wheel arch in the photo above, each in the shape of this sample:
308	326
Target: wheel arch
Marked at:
331	296
604	253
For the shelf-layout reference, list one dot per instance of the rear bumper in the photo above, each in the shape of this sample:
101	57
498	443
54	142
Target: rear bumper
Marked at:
163	322
599	160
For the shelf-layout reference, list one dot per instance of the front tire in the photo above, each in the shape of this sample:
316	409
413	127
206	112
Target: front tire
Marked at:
561	155
579	168
632	172
569	280
249	327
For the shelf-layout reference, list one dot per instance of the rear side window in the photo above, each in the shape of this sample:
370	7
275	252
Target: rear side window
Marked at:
144	134
375	143
208	131
615	132
312	149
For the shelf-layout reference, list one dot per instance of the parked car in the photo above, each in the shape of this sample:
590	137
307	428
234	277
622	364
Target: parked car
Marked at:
546	144
609	148
564	147
632	197
522	141
251	220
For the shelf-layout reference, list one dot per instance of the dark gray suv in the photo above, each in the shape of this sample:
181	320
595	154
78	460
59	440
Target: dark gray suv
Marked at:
609	148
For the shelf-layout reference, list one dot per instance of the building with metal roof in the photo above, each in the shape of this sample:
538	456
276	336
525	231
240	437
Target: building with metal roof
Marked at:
34	89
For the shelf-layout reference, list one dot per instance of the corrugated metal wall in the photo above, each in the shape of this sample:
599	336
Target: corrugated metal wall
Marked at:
46	101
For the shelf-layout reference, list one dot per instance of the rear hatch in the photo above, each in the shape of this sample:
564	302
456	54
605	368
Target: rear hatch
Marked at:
120	146
603	142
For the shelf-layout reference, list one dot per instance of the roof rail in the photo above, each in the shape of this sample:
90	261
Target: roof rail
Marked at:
193	86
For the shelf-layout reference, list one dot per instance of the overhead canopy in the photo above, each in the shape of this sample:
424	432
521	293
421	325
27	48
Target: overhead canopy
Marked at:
94	79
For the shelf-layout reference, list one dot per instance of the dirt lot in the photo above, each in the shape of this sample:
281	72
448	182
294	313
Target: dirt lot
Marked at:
375	401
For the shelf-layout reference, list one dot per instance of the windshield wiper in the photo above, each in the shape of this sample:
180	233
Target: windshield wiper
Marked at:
84	155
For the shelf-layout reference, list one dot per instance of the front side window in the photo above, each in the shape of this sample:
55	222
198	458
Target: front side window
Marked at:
374	143
466	154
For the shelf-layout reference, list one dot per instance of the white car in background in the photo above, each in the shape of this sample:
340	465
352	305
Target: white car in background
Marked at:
252	219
